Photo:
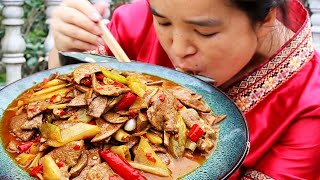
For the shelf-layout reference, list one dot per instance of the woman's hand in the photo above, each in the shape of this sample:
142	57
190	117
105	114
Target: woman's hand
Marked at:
74	25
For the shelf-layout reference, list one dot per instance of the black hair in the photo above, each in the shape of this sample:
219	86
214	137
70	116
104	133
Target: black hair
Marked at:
257	10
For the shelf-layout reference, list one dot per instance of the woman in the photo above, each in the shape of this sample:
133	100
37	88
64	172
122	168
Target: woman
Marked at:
259	52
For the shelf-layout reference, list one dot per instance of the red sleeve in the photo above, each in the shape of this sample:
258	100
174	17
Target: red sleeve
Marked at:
130	24
297	154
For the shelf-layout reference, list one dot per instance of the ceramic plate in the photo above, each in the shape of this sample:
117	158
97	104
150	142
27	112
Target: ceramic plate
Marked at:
233	143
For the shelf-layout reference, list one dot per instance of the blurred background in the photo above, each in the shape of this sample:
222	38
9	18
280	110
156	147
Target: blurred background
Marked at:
34	32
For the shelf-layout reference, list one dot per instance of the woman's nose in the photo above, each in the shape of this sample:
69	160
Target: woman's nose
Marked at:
182	46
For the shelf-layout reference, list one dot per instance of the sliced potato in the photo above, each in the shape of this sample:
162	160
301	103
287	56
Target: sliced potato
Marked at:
150	169
74	133
136	86
145	155
50	168
154	138
79	131
51	132
62	92
49	89
53	82
25	159
122	151
58	106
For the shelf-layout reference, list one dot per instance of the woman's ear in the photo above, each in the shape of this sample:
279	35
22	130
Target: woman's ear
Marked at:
265	26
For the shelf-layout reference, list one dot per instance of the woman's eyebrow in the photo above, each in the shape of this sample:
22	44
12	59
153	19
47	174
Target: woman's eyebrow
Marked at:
204	22
155	13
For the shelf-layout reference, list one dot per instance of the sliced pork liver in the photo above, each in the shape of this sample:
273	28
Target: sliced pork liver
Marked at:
78	101
107	129
34	123
189	98
69	153
97	106
162	113
36	108
15	127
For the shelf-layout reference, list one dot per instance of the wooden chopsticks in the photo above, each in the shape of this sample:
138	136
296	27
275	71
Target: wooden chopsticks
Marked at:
112	43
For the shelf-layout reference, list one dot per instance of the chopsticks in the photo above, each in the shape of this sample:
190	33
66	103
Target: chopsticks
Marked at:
112	43
121	56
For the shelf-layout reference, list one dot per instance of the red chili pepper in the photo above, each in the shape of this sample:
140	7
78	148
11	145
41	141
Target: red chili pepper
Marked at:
76	147
195	133
120	166
92	122
60	163
86	81
36	139
180	105
119	84
52	98
100	76
62	113
127	100
45	80
36	170
150	158
25	146
132	114
162	97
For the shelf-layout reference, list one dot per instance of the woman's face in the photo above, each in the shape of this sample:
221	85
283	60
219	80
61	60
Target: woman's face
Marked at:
207	37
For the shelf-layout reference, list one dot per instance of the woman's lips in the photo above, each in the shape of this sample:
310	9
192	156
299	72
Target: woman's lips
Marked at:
203	78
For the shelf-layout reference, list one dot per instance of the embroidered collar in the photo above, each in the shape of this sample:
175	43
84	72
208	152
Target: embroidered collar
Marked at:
252	89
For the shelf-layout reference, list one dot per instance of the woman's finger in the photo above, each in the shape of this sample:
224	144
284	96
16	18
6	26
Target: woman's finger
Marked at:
76	32
66	43
84	7
72	16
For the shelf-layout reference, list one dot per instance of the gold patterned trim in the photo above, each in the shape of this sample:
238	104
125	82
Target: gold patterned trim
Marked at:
255	175
255	87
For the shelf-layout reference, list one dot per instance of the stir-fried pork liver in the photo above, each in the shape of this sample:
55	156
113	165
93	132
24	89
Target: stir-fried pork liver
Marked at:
84	70
69	153
81	164
100	171
78	101
162	113
34	123
93	156
107	129
108	89
92	97
112	117
97	106
190	117
15	127
189	98
35	108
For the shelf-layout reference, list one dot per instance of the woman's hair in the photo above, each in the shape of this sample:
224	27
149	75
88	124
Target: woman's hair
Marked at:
257	10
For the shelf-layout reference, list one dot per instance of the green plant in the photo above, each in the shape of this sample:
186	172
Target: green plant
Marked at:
34	31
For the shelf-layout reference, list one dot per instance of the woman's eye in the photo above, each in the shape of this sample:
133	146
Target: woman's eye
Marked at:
164	24
206	34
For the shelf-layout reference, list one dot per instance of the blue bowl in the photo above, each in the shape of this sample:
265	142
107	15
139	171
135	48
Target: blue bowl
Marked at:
233	143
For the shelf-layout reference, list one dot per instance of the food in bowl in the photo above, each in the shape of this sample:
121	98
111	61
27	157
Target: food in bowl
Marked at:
97	122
